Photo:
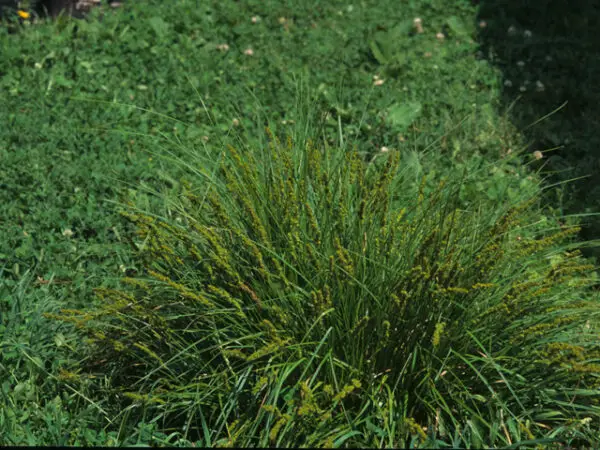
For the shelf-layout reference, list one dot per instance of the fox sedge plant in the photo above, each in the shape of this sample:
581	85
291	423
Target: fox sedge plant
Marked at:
307	296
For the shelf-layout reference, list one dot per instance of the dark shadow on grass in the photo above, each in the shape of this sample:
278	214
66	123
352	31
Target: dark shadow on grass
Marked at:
549	53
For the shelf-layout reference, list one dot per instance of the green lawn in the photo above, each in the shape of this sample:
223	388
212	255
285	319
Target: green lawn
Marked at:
324	291
547	56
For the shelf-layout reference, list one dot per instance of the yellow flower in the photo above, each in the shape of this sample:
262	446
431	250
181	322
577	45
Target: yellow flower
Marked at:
23	14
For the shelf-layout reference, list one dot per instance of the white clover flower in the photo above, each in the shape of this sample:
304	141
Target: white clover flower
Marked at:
527	34
538	155
440	36
248	52
539	86
512	30
418	24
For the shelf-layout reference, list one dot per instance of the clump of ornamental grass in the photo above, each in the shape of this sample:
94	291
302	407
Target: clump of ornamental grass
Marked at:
304	296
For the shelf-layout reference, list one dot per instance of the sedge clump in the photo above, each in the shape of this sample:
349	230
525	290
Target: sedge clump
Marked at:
304	290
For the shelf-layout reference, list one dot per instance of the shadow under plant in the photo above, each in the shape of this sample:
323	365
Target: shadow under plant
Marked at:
548	53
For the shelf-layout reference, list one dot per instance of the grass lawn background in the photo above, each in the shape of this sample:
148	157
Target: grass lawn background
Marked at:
545	53
84	102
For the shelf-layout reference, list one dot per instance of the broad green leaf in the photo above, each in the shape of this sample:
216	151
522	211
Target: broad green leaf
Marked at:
401	30
60	340
377	53
159	25
413	165
342	439
375	429
61	81
401	116
20	387
457	26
